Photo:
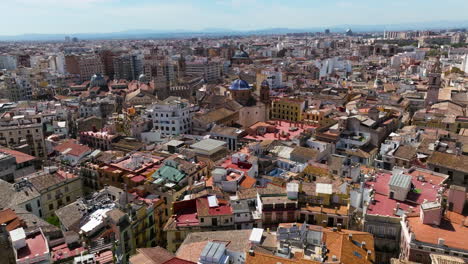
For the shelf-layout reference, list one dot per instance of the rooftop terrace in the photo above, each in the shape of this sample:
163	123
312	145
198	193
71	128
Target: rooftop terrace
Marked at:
420	191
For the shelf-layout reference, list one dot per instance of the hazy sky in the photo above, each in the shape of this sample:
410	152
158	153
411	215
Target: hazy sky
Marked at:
87	16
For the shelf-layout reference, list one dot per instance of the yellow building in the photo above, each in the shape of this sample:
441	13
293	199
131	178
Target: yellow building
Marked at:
320	117
57	190
313	171
326	203
325	216
109	175
147	219
287	109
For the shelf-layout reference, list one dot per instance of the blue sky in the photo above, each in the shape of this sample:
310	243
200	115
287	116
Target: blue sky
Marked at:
90	16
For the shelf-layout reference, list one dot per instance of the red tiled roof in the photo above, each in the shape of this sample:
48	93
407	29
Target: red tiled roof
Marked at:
63	252
186	213
241	166
35	245
187	219
20	156
203	208
138	178
75	148
7	215
384	205
105	257
178	261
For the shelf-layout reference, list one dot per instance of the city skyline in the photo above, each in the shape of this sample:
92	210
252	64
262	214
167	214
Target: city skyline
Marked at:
103	16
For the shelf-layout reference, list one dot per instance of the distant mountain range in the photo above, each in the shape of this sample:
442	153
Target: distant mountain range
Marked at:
216	32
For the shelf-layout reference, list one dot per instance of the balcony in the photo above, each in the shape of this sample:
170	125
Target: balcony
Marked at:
100	245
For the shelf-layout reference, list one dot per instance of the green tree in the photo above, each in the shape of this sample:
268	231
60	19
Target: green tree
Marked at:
53	220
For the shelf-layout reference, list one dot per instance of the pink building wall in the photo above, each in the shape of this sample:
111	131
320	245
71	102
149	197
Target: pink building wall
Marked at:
456	199
432	216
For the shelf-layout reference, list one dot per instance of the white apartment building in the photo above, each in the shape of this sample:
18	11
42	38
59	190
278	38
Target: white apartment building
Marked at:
272	76
465	63
210	70
171	116
330	65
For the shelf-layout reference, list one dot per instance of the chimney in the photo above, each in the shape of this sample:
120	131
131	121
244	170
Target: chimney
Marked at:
251	252
321	208
350	236
338	226
324	223
368	255
363	244
335	229
336	210
3	229
441	241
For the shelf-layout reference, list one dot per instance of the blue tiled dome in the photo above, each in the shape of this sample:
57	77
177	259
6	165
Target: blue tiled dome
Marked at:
239	85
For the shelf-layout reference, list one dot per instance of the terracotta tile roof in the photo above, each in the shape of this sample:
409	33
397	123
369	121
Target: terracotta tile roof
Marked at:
213	116
456	162
43	182
405	152
346	249
361	153
303	153
341	209
191	251
71	147
269	189
451	230
9	217
247	182
235	240
20	156
178	261
156	255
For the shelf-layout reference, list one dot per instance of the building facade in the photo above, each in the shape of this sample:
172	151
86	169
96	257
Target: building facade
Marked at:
171	116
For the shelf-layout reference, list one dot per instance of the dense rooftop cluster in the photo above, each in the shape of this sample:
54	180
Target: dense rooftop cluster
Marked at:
285	149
